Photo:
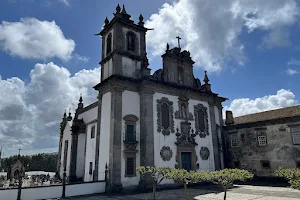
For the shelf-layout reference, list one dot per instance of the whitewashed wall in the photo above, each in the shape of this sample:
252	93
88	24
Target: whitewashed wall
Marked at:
90	152
89	115
160	140
130	105
53	191
80	155
104	134
66	136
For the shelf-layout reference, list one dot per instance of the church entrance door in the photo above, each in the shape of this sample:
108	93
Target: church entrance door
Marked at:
186	161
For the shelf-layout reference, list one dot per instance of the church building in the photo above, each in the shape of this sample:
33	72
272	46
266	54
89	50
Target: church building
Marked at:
168	118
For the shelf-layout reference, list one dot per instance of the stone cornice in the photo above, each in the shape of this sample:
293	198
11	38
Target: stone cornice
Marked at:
89	107
123	53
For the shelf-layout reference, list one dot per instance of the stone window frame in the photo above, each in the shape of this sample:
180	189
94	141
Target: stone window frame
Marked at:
204	109
261	136
130	120
93	131
91	168
183	100
160	128
108	44
234	142
263	162
180	73
134	38
295	132
133	156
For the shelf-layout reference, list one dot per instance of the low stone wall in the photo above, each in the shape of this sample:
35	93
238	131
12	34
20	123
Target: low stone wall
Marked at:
48	192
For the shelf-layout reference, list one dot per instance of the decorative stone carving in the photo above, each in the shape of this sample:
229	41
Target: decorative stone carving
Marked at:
166	153
165	121
204	153
187	136
183	112
200	113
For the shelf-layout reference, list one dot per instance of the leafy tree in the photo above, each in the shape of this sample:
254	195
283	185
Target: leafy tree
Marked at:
156	174
181	175
292	175
226	177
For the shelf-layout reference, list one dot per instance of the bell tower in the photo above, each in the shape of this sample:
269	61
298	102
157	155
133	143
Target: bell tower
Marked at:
123	47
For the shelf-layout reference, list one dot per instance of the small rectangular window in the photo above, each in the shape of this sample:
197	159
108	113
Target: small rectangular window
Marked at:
265	164
130	169
234	141
91	168
262	140
296	138
298	164
93	132
243	137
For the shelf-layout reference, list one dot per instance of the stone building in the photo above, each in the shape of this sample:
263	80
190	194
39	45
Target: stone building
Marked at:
168	118
262	142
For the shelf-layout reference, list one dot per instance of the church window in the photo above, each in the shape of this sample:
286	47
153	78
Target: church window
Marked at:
91	168
180	75
165	121
295	135
93	132
130	166
130	136
130	40
165	116
201	120
108	43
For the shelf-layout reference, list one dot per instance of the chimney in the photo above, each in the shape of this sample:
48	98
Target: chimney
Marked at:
229	118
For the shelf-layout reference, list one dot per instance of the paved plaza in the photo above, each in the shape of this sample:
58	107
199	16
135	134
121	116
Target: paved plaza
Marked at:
239	192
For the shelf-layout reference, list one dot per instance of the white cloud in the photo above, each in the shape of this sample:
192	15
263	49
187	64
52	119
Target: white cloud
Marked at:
293	62
30	113
31	38
291	72
244	106
211	29
80	58
66	2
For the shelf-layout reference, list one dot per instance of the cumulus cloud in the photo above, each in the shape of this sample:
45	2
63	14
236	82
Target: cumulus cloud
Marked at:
291	72
243	106
35	39
66	2
30	113
211	29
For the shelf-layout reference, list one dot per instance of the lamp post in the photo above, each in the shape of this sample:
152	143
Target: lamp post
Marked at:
20	184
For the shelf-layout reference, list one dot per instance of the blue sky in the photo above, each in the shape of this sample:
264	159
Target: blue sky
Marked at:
49	55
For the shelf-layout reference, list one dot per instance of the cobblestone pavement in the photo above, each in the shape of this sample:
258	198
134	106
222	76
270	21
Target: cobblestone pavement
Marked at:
239	192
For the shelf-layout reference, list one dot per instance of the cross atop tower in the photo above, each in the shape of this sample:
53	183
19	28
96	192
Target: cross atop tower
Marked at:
19	150
179	38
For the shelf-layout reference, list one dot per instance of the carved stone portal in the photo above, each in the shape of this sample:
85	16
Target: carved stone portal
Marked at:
166	153
165	121
185	142
201	120
204	153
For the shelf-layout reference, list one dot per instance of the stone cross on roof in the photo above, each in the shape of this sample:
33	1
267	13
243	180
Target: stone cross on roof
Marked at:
179	38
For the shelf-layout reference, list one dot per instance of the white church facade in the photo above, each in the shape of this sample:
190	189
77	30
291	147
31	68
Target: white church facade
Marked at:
168	118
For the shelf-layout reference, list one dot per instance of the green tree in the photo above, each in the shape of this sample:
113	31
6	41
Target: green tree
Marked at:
226	177
185	177
156	175
292	175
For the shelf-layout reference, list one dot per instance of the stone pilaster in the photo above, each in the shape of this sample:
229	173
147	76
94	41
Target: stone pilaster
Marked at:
74	146
58	164
115	141
96	175
146	132
214	136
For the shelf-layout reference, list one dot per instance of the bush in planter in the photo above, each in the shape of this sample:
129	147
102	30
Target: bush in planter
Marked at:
226	177
292	175
185	177
156	174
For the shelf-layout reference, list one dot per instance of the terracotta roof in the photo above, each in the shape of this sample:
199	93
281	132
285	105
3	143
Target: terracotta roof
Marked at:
269	115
